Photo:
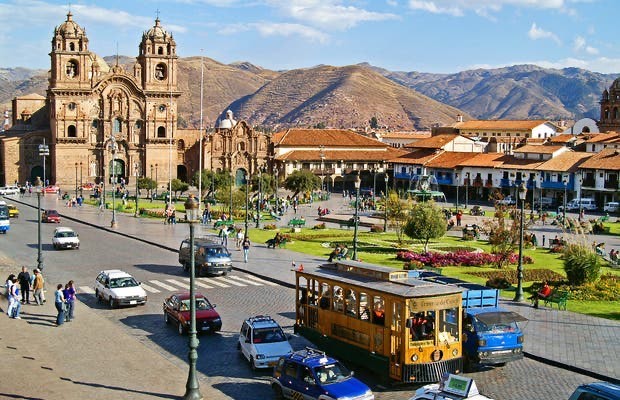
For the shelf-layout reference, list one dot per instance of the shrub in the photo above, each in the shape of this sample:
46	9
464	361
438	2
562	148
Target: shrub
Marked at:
269	227
376	228
464	258
581	264
320	226
498	283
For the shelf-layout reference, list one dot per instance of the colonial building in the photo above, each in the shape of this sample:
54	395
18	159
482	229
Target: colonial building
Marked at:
610	108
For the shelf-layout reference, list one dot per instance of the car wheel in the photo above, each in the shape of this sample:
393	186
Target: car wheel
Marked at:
180	328
166	318
277	391
186	267
224	273
238	346
252	364
111	302
55	247
97	296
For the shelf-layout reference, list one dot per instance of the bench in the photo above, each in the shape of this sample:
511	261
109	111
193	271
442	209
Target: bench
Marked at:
297	222
347	224
560	298
271	243
221	223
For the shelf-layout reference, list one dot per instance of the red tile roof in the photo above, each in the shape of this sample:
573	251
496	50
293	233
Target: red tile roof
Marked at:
569	161
609	137
418	157
327	137
433	142
533	148
450	159
501	125
563	138
406	135
608	159
335	155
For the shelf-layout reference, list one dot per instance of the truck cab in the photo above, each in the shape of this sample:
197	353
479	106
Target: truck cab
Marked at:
5	224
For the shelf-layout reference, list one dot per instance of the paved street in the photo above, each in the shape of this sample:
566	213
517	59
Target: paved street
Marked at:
142	342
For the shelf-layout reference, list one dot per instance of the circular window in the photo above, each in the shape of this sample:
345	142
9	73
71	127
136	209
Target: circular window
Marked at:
71	106
160	71
162	107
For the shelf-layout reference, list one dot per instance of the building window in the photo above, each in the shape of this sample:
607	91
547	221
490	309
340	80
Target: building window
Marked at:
180	144
138	124
117	125
161	132
616	113
71	46
95	123
606	114
71	106
71	131
160	71
71	69
160	50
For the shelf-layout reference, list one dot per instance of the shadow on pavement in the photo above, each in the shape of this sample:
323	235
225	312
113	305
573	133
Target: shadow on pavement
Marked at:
257	390
44	246
120	389
174	270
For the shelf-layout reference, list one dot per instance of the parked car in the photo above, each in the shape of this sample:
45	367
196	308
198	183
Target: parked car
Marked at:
65	238
118	288
587	204
507	201
13	211
9	190
50	216
51	189
176	310
547	203
596	391
262	341
311	374
210	257
611	207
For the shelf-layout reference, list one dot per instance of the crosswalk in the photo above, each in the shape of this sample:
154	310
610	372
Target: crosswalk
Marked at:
182	283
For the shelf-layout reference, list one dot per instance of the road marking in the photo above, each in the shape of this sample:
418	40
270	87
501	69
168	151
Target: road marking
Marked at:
86	289
229	281
214	282
182	284
163	285
198	283
263	281
149	288
245	280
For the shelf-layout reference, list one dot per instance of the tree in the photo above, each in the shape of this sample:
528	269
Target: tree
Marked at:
320	125
178	185
426	221
147	183
581	264
302	181
206	182
374	123
503	233
397	212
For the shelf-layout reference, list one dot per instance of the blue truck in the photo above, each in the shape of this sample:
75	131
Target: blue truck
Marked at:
5	223
491	334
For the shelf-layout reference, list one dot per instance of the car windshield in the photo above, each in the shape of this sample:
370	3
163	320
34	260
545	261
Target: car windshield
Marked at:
122	282
201	304
51	213
219	252
495	328
332	373
268	335
65	234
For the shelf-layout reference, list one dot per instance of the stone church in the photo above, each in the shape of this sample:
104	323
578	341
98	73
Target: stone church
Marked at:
102	123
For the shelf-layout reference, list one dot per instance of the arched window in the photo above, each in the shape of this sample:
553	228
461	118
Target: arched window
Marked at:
160	50
72	46
117	125
181	144
585	130
161	132
71	69
606	114
71	131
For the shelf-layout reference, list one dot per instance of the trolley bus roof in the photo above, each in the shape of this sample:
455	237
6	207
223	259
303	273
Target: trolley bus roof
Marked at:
409	287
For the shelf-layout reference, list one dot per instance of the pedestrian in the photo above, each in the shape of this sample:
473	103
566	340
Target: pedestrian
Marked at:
246	248
24	284
37	286
69	295
13	296
60	305
223	234
240	238
459	216
582	215
543	218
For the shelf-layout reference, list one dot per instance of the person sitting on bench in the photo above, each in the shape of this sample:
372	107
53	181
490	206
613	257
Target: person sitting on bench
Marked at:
543	293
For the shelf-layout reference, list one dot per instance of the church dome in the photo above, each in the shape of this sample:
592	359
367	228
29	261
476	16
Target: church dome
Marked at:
156	32
225	124
69	28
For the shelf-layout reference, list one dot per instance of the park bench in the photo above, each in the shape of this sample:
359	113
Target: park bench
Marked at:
348	223
271	243
220	223
560	298
297	222
274	215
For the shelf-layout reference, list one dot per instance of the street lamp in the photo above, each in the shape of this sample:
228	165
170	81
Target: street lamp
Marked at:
519	292
322	155
247	201
467	191
374	188
578	175
565	181
356	217
540	205
230	204
276	189
533	180
135	166
38	189
81	178
192	388
112	147
456	176
386	203
258	199
156	181
76	180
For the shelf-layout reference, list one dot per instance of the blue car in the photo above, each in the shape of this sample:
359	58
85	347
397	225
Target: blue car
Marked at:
310	374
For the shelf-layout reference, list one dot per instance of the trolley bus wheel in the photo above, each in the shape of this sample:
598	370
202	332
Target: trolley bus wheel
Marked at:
277	391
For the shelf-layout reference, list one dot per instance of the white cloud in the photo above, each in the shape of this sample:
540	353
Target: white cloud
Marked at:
328	14
392	3
277	29
481	7
536	33
579	44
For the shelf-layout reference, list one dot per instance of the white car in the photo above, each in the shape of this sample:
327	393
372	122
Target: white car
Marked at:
8	190
507	201
65	238
119	288
612	207
262	341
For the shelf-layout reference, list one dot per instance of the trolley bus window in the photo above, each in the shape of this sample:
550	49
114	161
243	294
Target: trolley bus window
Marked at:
338	299
364	311
325	296
448	325
351	303
378	312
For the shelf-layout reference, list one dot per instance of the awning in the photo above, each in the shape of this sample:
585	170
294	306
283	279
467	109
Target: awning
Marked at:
500	317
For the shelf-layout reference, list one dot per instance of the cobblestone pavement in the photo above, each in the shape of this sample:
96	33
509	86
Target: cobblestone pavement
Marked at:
563	337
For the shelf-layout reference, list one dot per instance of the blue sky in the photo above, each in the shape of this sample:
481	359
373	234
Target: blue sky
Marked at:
441	36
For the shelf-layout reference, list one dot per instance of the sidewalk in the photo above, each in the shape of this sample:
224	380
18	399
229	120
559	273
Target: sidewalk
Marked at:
562	337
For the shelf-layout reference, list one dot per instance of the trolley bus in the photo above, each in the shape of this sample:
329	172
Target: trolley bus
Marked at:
403	329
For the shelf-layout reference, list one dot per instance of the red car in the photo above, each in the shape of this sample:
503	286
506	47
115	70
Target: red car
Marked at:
51	189
50	216
176	310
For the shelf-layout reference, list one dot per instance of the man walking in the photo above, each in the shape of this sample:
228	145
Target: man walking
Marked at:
246	248
24	284
37	286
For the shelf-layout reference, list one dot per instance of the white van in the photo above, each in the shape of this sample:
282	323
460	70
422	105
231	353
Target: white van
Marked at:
612	207
585	204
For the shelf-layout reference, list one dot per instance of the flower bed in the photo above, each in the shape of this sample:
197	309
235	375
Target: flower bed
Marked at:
459	258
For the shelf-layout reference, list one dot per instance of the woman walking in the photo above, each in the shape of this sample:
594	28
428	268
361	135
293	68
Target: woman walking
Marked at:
246	248
69	294
60	305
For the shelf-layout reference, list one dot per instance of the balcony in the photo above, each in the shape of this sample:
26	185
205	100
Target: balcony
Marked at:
557	185
324	172
588	183
444	180
611	184
403	175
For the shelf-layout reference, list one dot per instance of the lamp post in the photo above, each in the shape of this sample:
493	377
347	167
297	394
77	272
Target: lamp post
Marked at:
578	175
156	181
260	175
38	188
564	202
540	196
135	166
386	203
519	292
247	201
276	188
356	217
533	179
81	184
230	204
322	155
374	188
76	180
456	176
467	191
192	388
112	147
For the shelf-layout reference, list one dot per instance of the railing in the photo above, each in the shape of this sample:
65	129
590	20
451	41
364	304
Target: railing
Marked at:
558	185
610	185
588	183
